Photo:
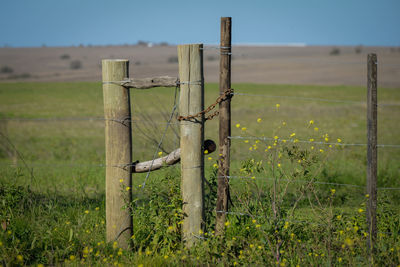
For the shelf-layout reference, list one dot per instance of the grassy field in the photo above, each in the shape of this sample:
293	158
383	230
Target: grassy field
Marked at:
52	183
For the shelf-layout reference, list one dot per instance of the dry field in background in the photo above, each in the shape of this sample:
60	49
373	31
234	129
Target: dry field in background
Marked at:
266	65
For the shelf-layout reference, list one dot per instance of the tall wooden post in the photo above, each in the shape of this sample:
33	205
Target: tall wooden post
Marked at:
224	125
192	136
372	152
117	114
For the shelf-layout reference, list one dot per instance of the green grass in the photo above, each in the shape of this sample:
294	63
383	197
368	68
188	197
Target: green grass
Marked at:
43	206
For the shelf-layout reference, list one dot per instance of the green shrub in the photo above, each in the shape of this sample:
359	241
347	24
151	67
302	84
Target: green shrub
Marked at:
75	65
6	69
65	56
335	51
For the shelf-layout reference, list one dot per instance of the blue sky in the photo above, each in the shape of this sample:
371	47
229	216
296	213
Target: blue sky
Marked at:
104	22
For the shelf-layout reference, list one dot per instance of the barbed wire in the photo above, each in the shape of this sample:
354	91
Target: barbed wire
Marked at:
260	216
289	180
314	99
63	119
304	181
281	220
309	142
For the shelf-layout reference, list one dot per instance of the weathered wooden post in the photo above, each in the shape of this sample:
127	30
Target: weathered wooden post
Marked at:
224	125
118	139
372	152
192	136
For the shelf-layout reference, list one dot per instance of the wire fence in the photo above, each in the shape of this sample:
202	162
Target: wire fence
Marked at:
311	181
86	119
316	99
169	122
291	140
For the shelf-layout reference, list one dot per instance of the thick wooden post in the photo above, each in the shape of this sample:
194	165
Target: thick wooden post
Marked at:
117	114
372	152
224	125
192	136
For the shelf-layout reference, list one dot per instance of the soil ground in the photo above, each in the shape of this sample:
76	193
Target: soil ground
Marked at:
268	65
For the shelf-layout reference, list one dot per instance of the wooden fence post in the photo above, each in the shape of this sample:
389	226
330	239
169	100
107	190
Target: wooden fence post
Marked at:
372	152
224	125
192	136
117	113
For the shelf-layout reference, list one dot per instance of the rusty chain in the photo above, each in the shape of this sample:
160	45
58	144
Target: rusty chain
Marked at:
227	93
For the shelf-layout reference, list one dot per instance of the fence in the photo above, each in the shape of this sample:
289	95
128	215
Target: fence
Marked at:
118	120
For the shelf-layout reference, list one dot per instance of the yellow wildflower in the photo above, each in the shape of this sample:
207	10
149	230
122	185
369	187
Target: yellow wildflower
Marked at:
293	134
20	258
246	141
286	225
227	223
160	153
121	180
128	188
238	125
349	242
316	129
244	129
86	211
277	106
259	120
360	210
206	151
209	158
311	122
